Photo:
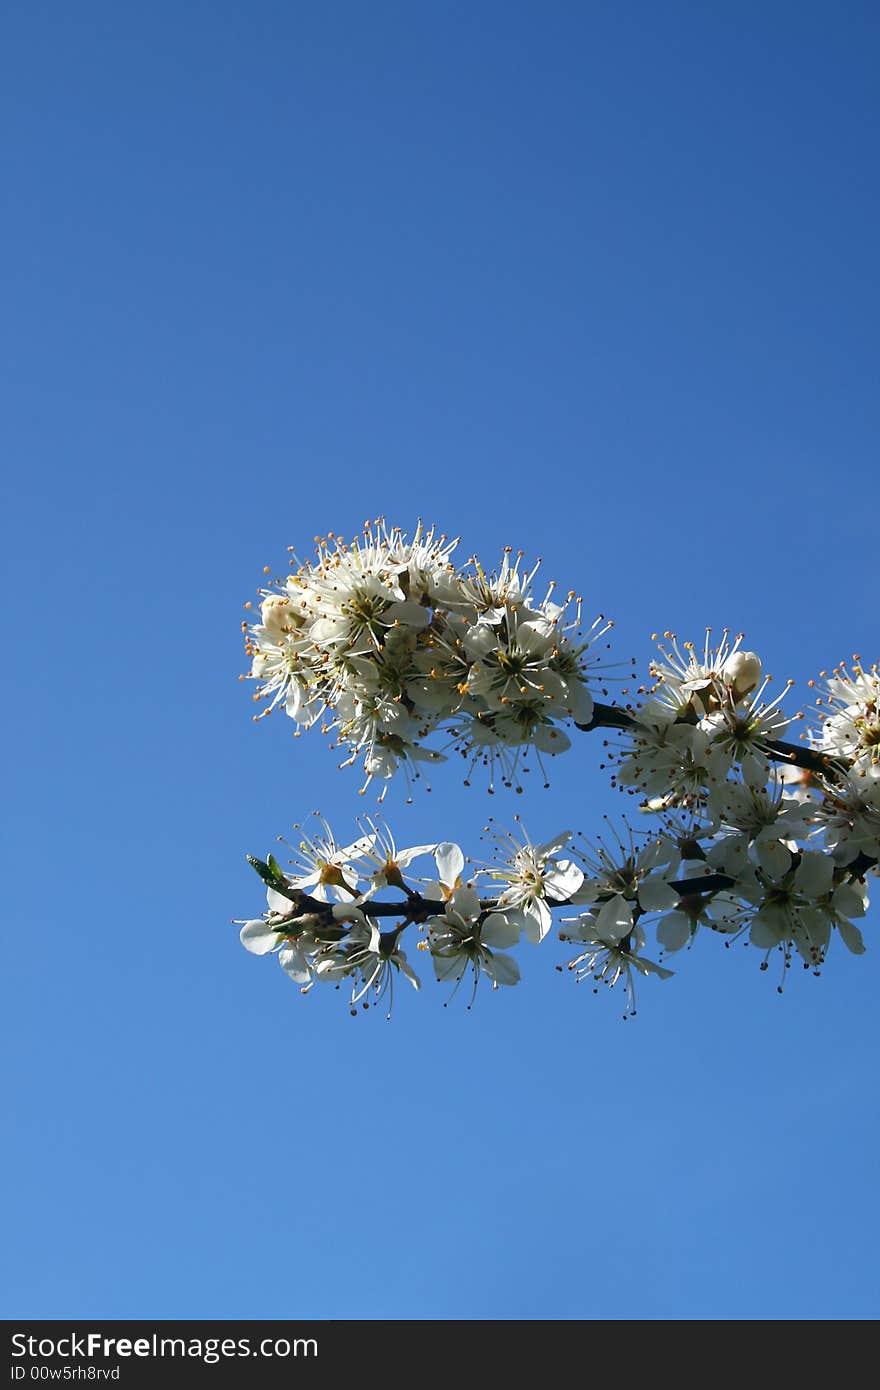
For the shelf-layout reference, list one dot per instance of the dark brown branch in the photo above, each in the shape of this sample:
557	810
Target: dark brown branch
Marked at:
795	754
318	917
415	910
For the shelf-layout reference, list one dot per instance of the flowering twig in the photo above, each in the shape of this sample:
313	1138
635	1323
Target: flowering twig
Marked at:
794	754
391	648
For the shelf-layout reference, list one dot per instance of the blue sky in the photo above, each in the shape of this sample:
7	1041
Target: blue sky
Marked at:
595	280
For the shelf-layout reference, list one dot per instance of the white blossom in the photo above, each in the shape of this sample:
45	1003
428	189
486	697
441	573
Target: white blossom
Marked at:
850	815
327	871
389	862
535	879
672	764
464	937
404	656
636	873
613	945
692	686
771	822
801	905
745	730
371	959
850	714
386	643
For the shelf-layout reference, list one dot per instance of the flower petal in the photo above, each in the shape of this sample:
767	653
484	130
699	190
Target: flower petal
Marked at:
614	919
773	858
850	936
501	969
464	904
562	878
674	931
449	967
450	863
656	895
548	739
294	962
501	930
259	938
814	876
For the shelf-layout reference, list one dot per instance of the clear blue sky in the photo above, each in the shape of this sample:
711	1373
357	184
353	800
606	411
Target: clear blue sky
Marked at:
599	280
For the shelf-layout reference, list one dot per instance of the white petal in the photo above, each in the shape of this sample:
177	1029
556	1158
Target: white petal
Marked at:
424	755
754	771
294	962
258	938
851	937
326	630
653	713
550	686
773	858
814	876
501	930
650	967
587	893
480	641
563	879
548	739
501	969
614	919
850	900
406	856
278	903
656	895
674	931
729	855
355	850
428	695
550	847
293	700
692	868
814	934
307	882
450	863
659	850
723	909
409	613
579	702
406	969
538	919
348	912
464	904
769	927
450	967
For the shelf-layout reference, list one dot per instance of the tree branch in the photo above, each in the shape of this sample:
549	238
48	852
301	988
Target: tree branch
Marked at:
796	754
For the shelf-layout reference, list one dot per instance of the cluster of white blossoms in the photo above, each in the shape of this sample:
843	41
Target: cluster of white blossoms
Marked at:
705	717
385	643
339	913
850	715
326	923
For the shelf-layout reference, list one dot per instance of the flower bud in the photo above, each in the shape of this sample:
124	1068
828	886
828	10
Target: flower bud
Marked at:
276	613
742	672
